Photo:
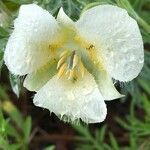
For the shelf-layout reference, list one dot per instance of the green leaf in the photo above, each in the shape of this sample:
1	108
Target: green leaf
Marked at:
20	2
146	104
123	124
93	4
50	148
2	46
102	133
83	130
3	32
2	124
3	42
1	59
14	147
3	143
13	112
87	147
11	131
113	141
145	85
133	142
3	94
27	129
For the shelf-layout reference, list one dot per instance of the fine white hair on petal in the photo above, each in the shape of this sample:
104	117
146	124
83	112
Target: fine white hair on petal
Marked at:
28	47
117	39
79	100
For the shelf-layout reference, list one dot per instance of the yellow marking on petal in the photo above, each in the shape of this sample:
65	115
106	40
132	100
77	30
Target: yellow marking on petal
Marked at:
62	70
75	61
92	51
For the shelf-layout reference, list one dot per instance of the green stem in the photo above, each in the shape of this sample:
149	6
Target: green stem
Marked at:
90	139
144	24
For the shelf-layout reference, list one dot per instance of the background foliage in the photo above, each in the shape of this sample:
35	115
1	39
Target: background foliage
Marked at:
24	126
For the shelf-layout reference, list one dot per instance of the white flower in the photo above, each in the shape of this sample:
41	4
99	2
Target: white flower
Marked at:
71	64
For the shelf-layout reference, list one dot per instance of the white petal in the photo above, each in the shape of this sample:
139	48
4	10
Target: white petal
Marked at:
64	20
117	37
28	46
66	24
75	100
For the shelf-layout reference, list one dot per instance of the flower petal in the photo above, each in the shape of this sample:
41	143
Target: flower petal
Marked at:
39	78
64	20
67	26
81	99
117	39
28	47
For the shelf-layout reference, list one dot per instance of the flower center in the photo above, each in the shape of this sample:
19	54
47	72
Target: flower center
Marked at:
70	65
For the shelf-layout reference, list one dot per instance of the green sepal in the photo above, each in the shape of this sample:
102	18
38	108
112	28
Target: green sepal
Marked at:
36	80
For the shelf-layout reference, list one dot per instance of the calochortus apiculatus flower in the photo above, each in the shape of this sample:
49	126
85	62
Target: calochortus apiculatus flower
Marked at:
71	64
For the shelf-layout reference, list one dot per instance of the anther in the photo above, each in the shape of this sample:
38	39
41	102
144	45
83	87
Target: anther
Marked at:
64	53
75	61
71	74
82	69
61	61
90	47
71	60
62	70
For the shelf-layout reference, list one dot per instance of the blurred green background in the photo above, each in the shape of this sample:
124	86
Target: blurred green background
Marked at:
26	127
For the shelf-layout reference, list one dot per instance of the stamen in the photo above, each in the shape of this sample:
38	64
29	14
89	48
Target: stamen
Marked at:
61	61
90	47
62	70
65	53
71	74
82	69
75	61
67	72
70	65
71	60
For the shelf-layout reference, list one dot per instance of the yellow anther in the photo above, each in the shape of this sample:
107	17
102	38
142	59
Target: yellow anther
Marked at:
61	61
67	72
82	70
90	47
70	65
75	61
62	70
71	74
64	53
